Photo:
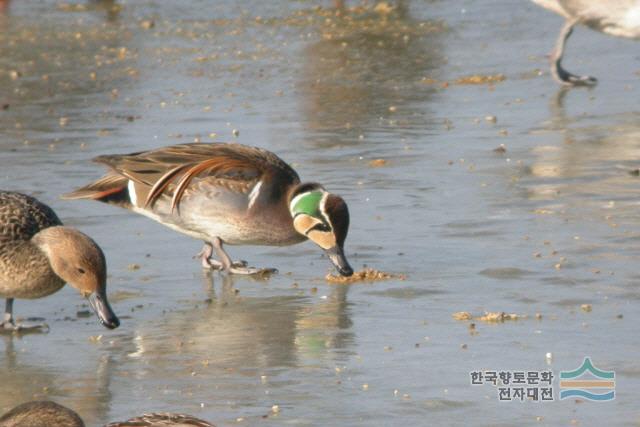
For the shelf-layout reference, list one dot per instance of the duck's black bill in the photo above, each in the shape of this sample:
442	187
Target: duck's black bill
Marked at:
336	255
100	305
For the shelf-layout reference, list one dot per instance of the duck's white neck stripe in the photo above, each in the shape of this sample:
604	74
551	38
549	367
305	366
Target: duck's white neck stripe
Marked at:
255	192
322	205
132	193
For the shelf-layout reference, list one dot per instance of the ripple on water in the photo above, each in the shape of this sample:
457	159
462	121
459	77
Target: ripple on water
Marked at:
447	404
506	273
406	293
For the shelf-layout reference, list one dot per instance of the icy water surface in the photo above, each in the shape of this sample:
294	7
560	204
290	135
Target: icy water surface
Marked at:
547	229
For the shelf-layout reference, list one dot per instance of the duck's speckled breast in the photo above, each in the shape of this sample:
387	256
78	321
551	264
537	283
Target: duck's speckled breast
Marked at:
25	272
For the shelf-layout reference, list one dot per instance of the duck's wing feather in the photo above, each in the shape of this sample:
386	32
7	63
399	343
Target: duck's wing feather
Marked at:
169	171
104	187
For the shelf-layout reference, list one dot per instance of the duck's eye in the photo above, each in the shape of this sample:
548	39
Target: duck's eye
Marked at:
81	270
320	227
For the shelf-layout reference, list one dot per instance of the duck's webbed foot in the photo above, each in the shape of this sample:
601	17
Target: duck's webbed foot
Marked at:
561	75
564	77
252	271
214	264
208	262
11	326
226	265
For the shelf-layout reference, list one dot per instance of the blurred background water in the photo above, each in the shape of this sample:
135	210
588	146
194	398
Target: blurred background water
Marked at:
544	225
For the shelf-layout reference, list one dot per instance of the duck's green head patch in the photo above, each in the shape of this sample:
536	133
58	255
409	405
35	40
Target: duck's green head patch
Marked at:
307	203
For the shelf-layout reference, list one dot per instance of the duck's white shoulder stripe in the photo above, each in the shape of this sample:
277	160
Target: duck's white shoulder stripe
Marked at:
132	193
255	192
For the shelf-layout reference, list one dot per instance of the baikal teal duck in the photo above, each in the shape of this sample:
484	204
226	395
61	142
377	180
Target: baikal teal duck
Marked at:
38	255
225	194
46	413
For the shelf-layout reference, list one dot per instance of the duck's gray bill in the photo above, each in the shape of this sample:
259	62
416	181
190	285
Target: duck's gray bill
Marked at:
336	255
103	310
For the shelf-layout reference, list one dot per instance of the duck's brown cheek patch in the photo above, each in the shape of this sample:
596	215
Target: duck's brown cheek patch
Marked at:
303	223
323	239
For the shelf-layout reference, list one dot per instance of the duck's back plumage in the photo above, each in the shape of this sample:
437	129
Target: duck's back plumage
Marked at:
21	217
231	191
168	171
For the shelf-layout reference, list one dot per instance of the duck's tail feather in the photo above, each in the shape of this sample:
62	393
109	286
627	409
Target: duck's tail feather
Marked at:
108	189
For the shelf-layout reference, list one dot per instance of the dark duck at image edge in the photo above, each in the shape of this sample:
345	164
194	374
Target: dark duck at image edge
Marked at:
46	413
225	194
